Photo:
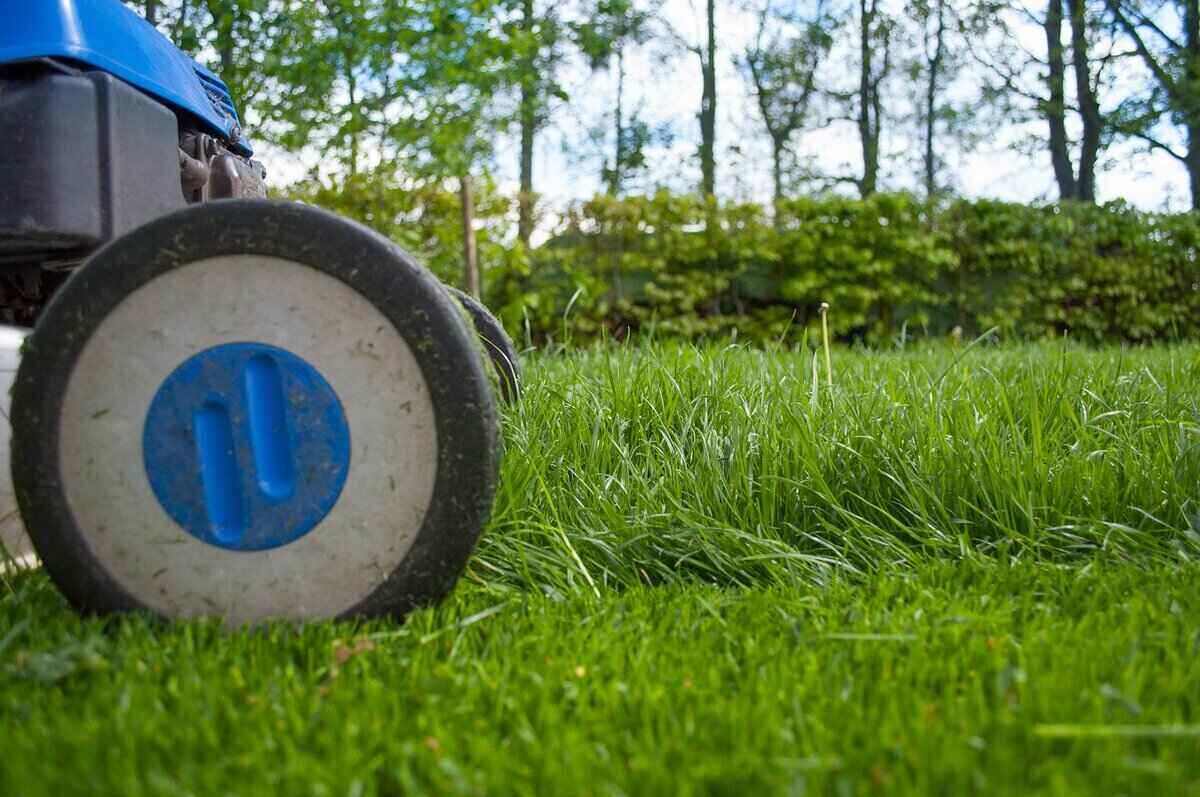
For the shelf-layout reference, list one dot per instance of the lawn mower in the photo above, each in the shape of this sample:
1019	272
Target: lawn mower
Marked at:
227	406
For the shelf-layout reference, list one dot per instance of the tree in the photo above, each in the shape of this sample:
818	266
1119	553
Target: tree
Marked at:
172	18
705	50
235	31
443	120
932	16
535	38
335	61
1074	182
1068	86
708	103
1086	93
409	87
1166	37
611	29
782	63
234	38
147	8
874	65
946	112
1056	105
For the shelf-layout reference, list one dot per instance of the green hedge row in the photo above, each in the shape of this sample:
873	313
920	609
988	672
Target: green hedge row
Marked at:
886	265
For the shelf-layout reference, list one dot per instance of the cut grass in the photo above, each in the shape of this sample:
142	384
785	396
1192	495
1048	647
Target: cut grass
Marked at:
953	574
952	679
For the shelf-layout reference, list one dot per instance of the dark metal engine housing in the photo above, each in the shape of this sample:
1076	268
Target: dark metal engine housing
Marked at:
84	158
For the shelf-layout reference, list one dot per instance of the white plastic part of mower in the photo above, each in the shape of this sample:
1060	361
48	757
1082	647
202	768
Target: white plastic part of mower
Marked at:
17	549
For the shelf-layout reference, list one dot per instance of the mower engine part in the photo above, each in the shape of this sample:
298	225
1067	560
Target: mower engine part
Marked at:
228	406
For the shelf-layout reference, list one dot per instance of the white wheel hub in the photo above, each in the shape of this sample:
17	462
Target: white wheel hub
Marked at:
273	302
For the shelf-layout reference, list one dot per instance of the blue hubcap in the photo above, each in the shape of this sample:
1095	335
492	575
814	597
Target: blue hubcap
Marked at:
246	446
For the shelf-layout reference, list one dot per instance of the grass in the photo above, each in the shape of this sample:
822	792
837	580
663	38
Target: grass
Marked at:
953	572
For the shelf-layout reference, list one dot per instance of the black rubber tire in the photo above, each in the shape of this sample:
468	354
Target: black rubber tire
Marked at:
412	299
497	344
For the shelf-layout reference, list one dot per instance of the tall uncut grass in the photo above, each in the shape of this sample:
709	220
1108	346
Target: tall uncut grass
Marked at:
663	464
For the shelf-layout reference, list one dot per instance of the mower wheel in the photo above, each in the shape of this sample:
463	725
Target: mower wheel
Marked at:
253	410
499	346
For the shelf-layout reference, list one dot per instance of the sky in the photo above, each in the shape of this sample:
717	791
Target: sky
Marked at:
663	82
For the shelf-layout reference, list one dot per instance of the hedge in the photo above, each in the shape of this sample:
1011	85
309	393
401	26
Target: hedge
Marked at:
888	265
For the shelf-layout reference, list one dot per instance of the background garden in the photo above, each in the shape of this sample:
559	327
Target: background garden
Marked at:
957	556
720	168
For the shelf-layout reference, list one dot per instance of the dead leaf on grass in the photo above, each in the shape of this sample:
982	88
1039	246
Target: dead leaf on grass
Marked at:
344	651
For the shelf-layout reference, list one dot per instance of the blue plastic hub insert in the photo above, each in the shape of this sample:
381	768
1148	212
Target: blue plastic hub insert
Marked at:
246	446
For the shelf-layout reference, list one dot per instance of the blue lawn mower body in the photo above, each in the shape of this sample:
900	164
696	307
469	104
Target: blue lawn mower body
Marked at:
106	36
104	125
227	406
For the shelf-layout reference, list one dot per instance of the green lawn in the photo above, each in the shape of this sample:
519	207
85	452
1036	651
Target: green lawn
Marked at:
957	571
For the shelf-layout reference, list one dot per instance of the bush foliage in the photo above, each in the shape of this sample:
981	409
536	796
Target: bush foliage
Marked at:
889	265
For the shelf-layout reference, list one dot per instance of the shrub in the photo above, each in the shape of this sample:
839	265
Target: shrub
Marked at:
681	267
885	264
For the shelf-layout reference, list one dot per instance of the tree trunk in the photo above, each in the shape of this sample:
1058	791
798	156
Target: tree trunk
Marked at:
1089	106
152	12
876	131
225	37
868	103
1193	163
352	95
1056	106
227	57
614	175
777	149
528	130
874	39
525	197
471	280
223	16
181	22
1191	21
931	95
1181	91
708	107
778	134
